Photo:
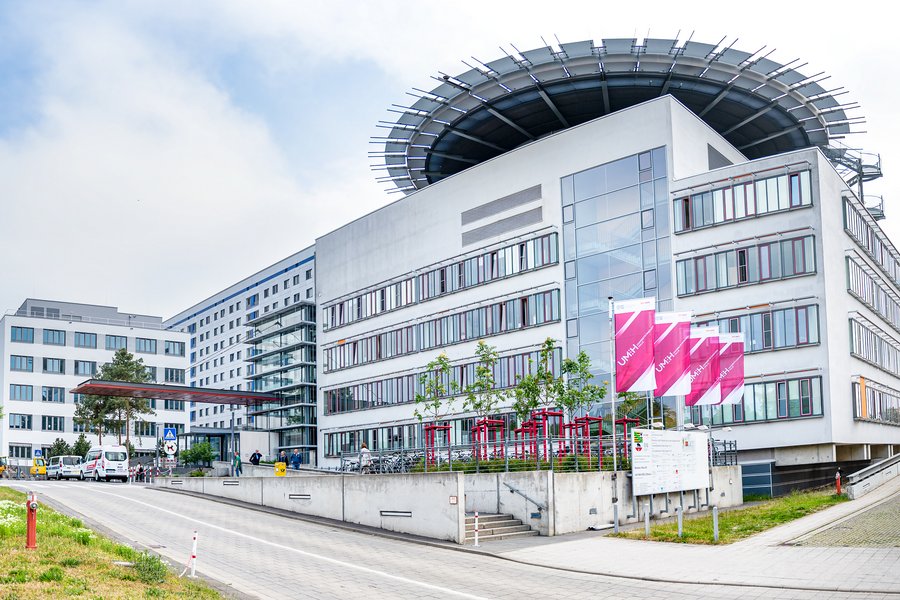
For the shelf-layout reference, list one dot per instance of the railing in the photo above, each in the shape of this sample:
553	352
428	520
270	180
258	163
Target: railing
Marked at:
722	453
127	321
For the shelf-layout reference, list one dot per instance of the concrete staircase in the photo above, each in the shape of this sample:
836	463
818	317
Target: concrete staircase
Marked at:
495	527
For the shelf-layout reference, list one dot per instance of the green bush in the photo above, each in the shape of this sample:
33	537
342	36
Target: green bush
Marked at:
197	473
70	562
52	574
150	569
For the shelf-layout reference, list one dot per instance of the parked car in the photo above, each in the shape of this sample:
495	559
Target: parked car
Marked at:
38	468
64	467
105	462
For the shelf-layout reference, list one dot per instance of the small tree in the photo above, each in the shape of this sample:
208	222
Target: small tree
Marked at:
123	410
542	388
59	448
439	389
93	412
482	396
81	446
198	454
578	393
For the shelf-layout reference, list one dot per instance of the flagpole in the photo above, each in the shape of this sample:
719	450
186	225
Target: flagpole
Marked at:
612	379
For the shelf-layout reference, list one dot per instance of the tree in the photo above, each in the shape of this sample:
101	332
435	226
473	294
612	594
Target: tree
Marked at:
81	446
577	392
59	448
440	389
199	454
542	388
123	410
482	396
94	413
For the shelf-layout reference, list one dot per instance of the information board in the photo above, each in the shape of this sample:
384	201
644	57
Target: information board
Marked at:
668	461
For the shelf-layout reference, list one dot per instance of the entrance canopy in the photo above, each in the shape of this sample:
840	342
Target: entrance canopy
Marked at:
98	387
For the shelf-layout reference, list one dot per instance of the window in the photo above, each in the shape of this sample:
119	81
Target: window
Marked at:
872	240
53	394
174	348
146	346
19	421
309	292
252	300
22	334
309	274
770	401
55	365
174	405
85	340
115	342
17	451
85	367
145	428
21	363
151	373
24	393
54	337
174	375
50	423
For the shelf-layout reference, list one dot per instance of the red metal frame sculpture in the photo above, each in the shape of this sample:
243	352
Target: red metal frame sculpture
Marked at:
431	431
485	432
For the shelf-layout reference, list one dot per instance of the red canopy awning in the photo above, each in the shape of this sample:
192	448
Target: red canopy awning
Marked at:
98	387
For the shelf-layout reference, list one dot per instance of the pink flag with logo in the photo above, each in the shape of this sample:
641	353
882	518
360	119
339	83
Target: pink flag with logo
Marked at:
634	322
731	367
671	349
704	367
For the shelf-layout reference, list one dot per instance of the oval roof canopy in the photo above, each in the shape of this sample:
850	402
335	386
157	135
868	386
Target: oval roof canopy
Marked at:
760	106
98	387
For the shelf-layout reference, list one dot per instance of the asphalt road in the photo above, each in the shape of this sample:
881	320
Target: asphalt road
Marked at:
262	555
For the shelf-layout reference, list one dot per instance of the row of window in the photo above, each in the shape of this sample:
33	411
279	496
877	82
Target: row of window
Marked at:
467	273
743	200
82	367
874	346
752	264
768	401
518	313
774	329
57	337
870	292
48	423
872	241
403	389
879	403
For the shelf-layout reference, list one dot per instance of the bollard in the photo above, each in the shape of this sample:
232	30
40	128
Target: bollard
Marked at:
647	519
715	510
476	529
837	483
615	518
31	533
192	561
680	513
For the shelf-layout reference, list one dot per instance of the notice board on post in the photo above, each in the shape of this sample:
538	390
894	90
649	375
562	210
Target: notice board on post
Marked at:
668	461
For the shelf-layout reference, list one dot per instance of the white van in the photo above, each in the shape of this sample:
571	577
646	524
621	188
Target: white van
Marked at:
105	462
64	467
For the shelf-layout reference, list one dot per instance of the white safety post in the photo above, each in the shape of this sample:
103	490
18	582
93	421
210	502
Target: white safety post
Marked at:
680	512
476	529
647	519
192	561
715	512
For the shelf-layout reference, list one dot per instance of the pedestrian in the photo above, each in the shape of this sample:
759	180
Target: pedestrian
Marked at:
282	457
236	463
365	458
140	472
255	458
295	459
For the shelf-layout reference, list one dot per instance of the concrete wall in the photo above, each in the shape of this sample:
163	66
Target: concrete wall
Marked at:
426	504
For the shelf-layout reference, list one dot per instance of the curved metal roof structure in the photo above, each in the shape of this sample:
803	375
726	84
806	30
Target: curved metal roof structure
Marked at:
760	106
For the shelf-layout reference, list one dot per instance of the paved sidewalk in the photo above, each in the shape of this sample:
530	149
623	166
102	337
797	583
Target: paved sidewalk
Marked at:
771	558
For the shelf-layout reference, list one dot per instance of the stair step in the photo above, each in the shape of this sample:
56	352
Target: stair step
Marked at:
503	536
470	518
493	524
499	530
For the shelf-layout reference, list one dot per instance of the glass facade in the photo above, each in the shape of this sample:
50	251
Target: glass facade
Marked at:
875	402
769	401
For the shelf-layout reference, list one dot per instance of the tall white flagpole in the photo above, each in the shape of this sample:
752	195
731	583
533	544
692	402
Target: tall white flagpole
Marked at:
612	380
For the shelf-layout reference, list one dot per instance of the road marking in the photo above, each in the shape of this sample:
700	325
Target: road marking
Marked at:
302	552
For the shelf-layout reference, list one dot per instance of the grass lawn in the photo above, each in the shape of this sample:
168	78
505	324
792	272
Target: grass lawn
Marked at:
743	522
72	561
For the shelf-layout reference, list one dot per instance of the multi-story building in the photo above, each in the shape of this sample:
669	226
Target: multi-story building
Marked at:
542	184
49	347
220	329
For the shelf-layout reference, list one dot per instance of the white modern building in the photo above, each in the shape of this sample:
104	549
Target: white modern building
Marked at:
541	184
49	347
222	331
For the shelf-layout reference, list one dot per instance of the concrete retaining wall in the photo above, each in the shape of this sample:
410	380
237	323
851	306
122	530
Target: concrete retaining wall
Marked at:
428	504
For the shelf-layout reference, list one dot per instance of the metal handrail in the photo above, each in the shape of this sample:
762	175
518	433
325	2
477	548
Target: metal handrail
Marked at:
871	470
514	490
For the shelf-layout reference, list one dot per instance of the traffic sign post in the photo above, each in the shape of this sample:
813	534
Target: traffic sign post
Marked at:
170	448
169	434
38	453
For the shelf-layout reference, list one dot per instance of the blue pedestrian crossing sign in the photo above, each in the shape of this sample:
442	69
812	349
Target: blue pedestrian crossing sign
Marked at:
38	453
169	434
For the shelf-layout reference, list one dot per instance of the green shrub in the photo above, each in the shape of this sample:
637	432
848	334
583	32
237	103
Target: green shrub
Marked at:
70	562
197	473
52	574
149	568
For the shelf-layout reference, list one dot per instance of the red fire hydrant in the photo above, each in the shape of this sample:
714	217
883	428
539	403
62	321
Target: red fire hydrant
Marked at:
31	535
837	482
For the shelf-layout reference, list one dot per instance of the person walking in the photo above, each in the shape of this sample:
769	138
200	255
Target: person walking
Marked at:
295	459
255	458
140	472
236	463
365	459
282	457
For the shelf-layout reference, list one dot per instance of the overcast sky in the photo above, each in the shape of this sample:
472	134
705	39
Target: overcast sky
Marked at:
153	153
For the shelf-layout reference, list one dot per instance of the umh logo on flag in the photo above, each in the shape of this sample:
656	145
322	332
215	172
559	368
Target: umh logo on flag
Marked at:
704	367
634	321
672	355
731	367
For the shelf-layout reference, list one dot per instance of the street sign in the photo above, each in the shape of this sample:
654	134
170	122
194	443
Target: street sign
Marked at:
170	448
169	461
169	434
38	453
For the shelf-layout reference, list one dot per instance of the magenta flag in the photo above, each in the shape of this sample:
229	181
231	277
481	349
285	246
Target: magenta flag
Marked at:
634	321
731	367
704	367
671	350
